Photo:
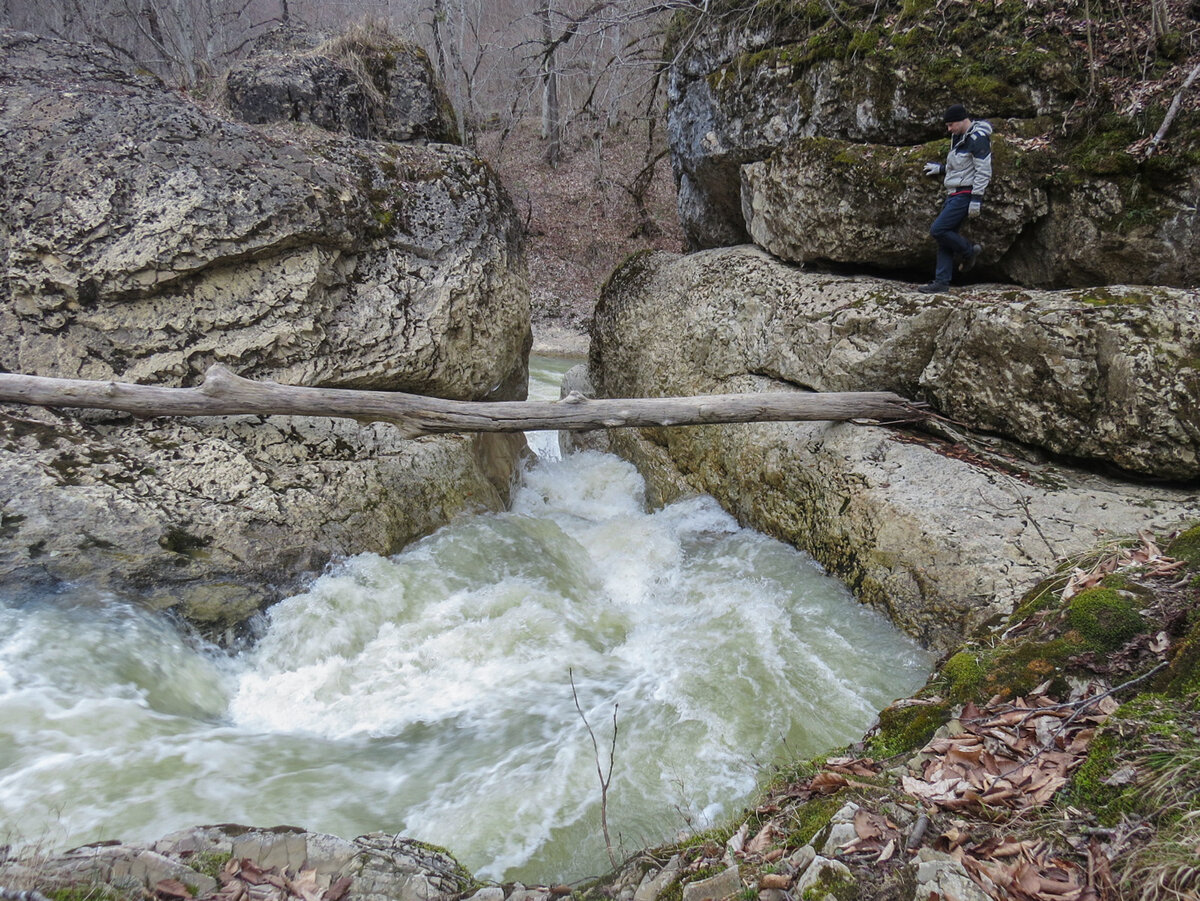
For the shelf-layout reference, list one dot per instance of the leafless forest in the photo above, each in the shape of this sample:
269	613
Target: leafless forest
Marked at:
566	97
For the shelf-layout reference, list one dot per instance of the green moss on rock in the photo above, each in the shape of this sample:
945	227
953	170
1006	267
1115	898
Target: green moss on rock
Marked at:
810	819
1105	617
1187	546
905	729
1183	675
1015	672
1093	786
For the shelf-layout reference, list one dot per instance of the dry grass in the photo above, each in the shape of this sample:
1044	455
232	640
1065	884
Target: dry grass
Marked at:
1167	867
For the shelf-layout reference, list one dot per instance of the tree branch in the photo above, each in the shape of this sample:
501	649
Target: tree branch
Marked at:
226	394
1172	112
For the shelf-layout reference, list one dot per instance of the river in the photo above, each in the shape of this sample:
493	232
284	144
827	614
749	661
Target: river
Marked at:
434	693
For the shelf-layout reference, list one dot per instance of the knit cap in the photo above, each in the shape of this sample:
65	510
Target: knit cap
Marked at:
955	113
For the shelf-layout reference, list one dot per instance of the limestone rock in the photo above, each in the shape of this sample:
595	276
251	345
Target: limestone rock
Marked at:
145	239
655	883
801	859
788	131
941	538
722	885
824	200
842	831
1101	374
366	84
376	866
941	876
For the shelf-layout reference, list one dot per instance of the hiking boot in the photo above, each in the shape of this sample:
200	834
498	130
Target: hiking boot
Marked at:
934	288
968	262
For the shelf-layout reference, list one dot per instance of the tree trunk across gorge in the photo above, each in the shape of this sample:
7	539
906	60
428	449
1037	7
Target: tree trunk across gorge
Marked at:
224	394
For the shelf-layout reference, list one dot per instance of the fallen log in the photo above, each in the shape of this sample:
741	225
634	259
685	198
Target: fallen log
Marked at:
223	394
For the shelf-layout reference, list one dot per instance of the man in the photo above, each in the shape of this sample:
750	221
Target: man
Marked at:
968	169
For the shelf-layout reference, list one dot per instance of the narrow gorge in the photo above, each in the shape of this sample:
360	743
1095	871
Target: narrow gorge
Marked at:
293	657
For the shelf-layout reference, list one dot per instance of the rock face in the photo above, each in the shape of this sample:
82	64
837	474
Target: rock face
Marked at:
144	240
806	133
363	84
283	863
942	534
822	199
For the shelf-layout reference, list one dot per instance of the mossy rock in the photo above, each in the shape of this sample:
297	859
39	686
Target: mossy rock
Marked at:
1017	671
840	887
209	863
965	675
1183	675
1186	546
1105	617
1046	595
1091	786
86	892
1112	781
905	729
811	819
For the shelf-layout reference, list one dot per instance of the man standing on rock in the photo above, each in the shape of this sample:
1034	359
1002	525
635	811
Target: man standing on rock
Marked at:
968	169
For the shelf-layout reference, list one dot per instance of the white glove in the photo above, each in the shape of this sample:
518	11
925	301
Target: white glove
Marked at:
933	168
974	209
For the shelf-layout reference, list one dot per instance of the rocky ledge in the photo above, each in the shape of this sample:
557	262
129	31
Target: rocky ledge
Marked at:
1047	401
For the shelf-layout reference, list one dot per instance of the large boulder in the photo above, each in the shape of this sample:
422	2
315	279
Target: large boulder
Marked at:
144	239
942	532
805	132
819	199
364	83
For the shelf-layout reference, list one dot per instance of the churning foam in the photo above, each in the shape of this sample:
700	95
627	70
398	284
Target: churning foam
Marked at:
434	693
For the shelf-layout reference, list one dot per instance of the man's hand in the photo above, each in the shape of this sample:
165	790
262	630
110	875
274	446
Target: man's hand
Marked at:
974	209
933	168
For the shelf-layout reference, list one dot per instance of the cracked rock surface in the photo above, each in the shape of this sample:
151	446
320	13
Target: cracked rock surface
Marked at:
146	238
945	529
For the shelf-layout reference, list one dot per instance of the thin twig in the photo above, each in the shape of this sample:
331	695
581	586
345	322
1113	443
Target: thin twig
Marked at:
605	779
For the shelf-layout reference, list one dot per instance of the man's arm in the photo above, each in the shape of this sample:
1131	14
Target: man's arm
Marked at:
981	151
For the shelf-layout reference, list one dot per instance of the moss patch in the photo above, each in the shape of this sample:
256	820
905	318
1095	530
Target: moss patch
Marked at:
1187	546
905	729
965	676
1105	617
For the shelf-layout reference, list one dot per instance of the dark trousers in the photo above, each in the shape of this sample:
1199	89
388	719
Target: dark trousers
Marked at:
945	231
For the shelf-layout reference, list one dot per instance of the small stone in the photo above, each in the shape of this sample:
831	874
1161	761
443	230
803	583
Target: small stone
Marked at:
489	893
800	860
722	885
941	876
520	893
653	885
821	870
846	813
841	834
775	880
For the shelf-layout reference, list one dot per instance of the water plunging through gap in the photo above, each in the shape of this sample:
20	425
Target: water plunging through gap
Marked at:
428	693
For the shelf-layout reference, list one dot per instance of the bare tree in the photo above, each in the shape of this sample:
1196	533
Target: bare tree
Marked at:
551	118
180	40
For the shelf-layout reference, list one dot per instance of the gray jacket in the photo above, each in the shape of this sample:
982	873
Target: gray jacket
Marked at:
968	166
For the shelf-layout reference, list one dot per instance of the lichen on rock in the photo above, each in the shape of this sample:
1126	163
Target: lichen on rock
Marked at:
147	238
945	532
